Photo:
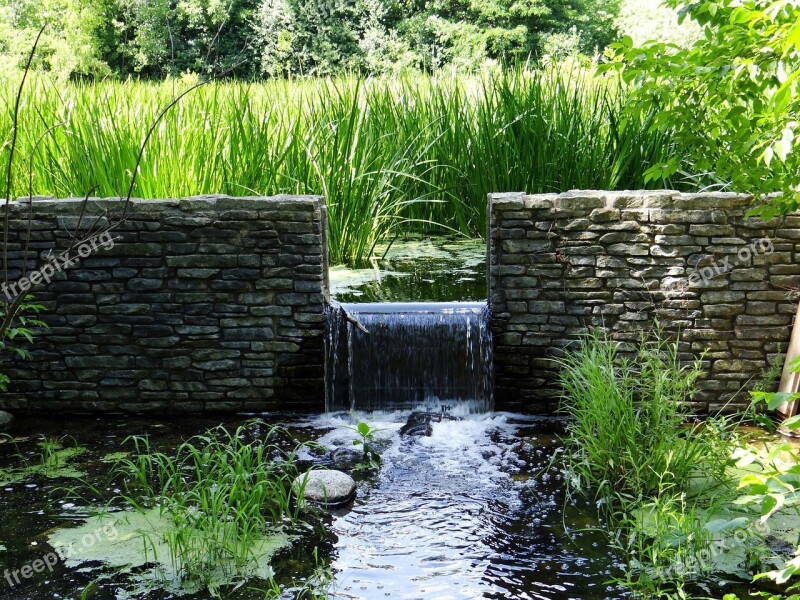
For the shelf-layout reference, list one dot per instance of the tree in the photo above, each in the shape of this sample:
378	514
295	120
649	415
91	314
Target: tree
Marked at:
730	100
310	37
72	43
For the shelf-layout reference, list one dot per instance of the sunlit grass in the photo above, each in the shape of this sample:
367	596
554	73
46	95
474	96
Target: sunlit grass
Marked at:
391	155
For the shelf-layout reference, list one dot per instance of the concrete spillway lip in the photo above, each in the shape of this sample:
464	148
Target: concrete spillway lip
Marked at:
327	487
412	307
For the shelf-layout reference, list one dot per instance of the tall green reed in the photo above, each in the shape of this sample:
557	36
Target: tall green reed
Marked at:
630	447
628	437
412	153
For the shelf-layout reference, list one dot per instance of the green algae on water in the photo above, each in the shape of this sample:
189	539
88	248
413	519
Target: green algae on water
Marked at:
114	457
53	464
137	543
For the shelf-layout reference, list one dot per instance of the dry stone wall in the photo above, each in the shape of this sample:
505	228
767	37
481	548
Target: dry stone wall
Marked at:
561	263
203	303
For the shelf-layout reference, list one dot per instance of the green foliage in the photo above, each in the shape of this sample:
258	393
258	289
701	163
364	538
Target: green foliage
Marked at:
664	539
370	458
23	327
626	438
755	412
774	399
629	448
772	484
391	155
91	38
740	80
52	461
74	42
224	492
157	38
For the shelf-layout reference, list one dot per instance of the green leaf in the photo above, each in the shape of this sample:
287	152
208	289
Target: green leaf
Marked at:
775	399
718	525
363	428
783	95
770	504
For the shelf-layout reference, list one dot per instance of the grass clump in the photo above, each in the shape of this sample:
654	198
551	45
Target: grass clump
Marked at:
630	448
628	435
392	156
228	496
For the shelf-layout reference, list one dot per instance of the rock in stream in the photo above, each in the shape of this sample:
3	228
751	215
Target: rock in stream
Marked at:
419	423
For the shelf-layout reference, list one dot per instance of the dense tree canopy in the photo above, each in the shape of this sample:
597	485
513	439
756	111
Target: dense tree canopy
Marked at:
730	100
265	37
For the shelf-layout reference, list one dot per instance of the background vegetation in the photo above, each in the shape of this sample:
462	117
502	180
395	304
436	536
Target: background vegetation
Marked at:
156	38
389	155
740	80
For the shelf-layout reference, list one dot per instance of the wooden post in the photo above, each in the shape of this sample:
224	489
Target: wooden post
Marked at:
790	382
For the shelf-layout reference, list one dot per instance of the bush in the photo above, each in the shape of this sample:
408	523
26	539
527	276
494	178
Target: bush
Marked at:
627	437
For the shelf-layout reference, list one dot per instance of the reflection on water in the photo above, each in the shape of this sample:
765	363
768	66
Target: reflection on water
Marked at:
470	512
420	270
457	515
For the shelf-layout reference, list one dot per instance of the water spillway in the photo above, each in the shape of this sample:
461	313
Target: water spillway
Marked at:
411	355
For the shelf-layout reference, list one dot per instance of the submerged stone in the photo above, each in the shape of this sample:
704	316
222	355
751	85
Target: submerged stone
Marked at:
419	423
327	487
346	458
5	420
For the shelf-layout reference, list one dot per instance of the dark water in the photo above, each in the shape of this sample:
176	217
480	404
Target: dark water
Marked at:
408	356
417	270
458	515
473	511
455	515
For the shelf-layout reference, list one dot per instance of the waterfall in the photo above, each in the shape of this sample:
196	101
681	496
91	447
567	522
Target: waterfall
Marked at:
432	356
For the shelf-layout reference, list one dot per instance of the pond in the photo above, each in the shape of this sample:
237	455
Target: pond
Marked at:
475	510
457	514
416	269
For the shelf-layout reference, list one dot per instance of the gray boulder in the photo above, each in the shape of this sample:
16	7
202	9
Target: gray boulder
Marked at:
419	423
326	487
5	420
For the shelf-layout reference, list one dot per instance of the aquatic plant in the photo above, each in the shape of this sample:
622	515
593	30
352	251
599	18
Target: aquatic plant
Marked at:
771	485
370	457
628	436
655	477
228	496
52	461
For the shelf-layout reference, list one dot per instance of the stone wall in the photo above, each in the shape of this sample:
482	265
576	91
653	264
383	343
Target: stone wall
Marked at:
203	303
559	264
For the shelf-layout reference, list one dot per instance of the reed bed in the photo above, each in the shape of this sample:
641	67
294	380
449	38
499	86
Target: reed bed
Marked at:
410	153
225	491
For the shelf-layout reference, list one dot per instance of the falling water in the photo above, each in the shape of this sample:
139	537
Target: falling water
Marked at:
435	356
